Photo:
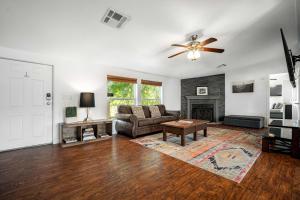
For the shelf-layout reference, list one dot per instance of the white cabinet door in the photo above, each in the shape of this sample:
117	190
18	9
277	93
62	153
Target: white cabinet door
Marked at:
25	109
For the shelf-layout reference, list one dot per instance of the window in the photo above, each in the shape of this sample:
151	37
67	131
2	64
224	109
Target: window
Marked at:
122	92
151	92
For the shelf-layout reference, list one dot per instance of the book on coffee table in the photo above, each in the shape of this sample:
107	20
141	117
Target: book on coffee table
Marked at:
185	121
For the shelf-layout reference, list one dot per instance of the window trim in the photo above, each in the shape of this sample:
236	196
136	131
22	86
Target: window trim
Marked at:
148	82
121	79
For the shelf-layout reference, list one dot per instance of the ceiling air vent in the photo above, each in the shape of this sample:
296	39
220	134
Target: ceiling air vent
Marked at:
114	18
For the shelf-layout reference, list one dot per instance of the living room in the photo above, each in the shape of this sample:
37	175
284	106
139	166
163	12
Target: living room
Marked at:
149	100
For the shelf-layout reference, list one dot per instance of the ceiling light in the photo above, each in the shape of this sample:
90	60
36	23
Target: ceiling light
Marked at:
193	54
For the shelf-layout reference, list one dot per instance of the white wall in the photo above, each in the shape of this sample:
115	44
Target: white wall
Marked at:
72	78
255	103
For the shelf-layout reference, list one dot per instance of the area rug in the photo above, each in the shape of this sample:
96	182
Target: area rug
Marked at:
225	152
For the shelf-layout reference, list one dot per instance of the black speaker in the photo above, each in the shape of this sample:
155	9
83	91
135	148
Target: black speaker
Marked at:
288	111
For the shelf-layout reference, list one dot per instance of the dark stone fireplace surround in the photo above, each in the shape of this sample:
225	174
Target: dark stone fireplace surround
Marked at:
216	94
203	100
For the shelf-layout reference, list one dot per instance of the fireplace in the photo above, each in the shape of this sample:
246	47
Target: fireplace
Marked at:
203	107
203	111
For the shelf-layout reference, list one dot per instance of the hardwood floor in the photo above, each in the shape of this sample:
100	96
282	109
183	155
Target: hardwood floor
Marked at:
120	169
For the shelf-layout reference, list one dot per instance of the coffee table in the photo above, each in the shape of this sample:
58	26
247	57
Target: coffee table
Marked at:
184	127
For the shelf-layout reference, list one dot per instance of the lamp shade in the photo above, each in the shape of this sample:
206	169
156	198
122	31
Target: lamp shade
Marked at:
87	100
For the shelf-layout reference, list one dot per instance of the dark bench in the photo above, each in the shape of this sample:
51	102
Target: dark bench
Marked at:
244	121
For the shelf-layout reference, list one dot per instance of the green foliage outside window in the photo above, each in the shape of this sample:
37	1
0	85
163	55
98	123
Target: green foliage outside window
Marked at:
123	95
121	89
150	94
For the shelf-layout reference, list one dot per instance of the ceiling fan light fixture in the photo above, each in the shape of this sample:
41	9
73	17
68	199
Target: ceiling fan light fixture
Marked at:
193	54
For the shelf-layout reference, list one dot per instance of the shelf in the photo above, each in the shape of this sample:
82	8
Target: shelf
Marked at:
84	142
76	130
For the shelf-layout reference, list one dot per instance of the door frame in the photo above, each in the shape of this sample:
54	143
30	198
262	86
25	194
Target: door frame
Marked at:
52	91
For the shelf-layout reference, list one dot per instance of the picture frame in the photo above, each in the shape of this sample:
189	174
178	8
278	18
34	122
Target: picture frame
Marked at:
202	91
243	86
70	115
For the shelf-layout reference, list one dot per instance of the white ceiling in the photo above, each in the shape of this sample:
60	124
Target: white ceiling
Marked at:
248	30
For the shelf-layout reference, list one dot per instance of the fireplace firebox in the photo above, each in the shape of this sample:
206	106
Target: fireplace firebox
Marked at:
203	107
203	111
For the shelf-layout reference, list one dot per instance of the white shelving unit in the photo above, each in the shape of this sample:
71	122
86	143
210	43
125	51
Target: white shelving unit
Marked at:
288	97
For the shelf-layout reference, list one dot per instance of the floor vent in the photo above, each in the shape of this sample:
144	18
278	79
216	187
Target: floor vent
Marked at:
114	18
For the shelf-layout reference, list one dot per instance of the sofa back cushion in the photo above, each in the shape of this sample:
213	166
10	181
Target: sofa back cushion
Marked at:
138	111
147	111
124	109
154	110
162	109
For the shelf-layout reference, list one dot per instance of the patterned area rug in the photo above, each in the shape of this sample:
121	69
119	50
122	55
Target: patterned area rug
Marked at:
228	153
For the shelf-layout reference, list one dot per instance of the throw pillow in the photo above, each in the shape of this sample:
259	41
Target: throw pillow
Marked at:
138	111
162	109
154	110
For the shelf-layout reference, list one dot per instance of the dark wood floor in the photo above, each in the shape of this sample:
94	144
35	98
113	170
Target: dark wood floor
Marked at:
120	169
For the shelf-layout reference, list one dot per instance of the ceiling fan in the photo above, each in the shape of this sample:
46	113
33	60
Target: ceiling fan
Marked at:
194	47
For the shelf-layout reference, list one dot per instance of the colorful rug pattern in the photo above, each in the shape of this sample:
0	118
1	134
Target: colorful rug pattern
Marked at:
228	153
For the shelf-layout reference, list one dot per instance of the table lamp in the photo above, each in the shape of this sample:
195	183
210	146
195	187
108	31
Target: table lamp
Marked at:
87	100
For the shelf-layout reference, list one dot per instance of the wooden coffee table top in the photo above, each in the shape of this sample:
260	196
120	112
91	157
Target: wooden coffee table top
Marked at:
185	123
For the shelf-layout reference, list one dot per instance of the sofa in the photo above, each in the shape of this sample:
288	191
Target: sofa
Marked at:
129	124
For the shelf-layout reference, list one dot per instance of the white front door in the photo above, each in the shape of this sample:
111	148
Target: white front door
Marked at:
25	104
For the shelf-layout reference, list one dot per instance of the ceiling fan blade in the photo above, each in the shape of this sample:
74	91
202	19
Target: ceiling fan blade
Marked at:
214	50
208	41
178	54
180	45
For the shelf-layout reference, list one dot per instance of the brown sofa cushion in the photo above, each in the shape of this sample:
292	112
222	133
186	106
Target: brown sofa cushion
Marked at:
124	109
145	122
162	109
163	119
156	120
146	111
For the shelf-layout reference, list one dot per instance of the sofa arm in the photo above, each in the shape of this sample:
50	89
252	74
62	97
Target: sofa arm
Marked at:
127	123
127	117
173	113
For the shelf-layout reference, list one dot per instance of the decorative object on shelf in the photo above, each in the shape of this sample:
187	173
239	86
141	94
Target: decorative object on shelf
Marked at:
88	134
71	115
85	132
69	140
87	100
278	106
243	87
194	47
202	91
